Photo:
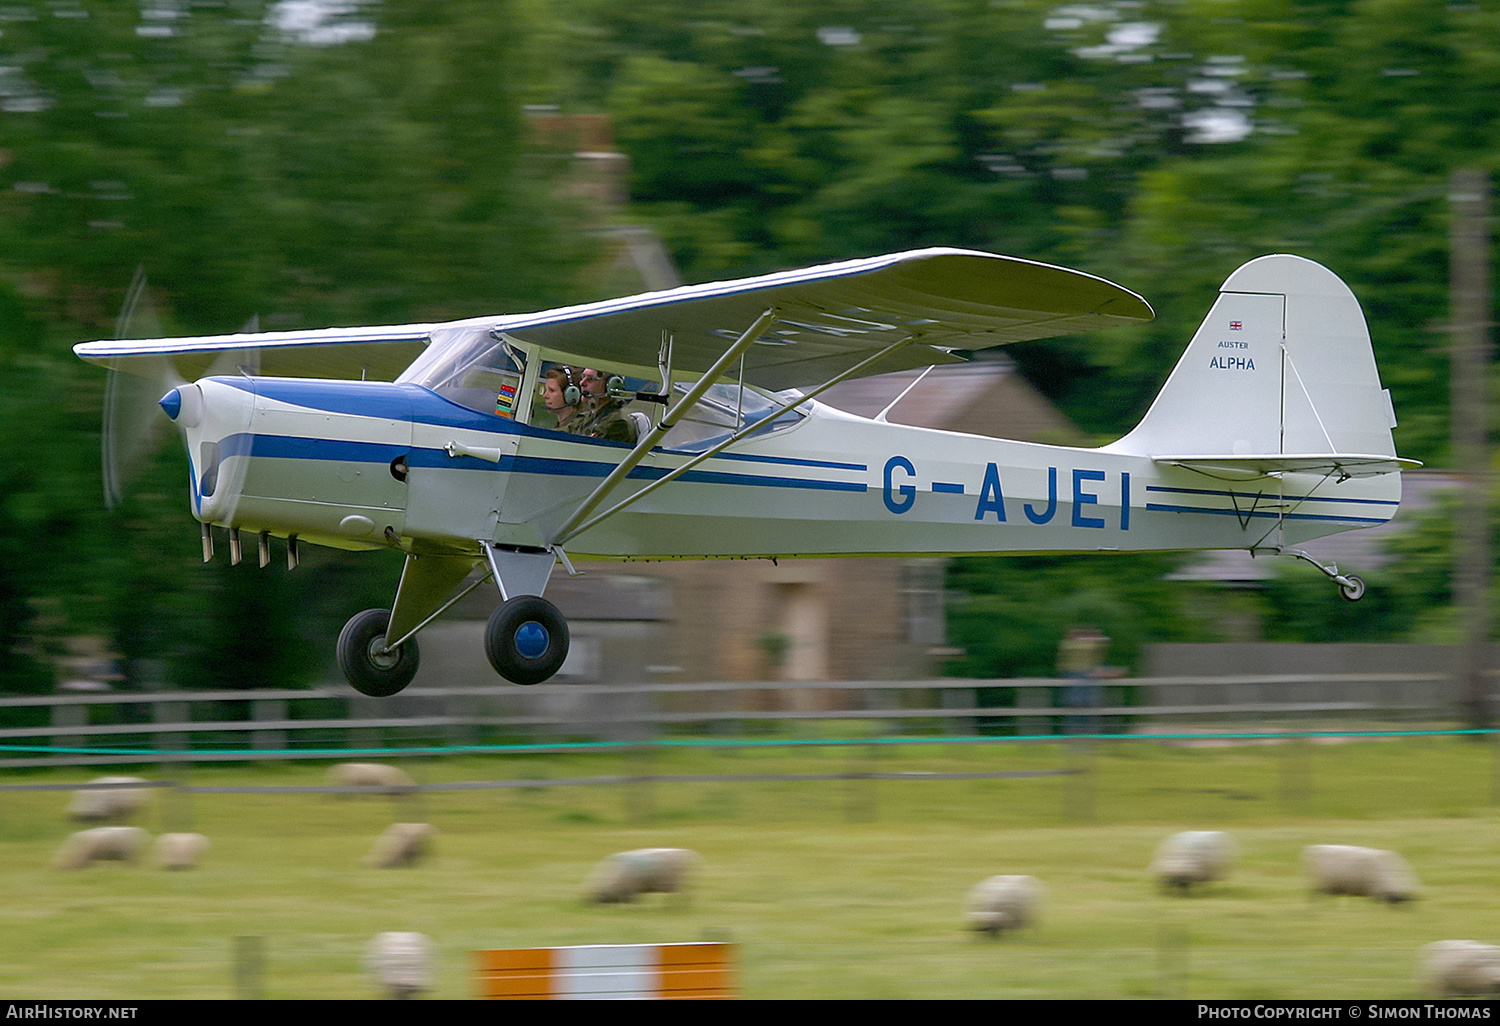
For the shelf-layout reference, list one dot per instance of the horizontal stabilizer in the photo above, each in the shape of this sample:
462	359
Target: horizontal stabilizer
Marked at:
1340	465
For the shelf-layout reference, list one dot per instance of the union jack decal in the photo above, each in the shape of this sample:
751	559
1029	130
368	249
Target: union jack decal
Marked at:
1236	325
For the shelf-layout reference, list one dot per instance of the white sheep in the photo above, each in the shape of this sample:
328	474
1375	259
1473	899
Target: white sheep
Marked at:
100	844
1004	903
1193	857
374	775
93	803
627	874
1364	872
402	844
1461	968
180	851
401	963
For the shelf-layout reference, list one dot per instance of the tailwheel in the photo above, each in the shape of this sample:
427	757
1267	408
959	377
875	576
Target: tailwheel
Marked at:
370	667
526	640
1351	587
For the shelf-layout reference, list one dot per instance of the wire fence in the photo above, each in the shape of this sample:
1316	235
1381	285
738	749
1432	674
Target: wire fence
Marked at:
181	726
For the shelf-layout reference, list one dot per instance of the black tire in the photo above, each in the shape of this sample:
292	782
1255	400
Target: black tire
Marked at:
526	640
1354	590
367	670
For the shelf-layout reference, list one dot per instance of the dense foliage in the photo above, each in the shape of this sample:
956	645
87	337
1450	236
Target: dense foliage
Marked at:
322	162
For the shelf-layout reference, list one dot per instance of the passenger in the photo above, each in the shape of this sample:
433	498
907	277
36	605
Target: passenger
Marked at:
605	417
556	384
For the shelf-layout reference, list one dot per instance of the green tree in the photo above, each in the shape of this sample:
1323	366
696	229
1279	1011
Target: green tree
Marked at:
382	172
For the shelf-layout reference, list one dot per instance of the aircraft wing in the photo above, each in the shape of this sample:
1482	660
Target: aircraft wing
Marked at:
829	317
832	315
379	354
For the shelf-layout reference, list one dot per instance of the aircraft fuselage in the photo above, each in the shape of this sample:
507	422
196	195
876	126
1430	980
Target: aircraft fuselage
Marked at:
368	465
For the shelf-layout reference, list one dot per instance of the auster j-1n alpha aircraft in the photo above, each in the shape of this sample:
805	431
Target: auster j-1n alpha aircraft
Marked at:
433	439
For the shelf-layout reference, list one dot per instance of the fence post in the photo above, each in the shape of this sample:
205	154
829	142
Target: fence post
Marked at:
1079	784
860	797
268	709
171	712
249	955
1171	961
640	805
177	797
1296	774
70	716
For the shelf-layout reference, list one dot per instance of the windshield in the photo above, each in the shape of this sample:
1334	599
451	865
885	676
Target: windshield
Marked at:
473	369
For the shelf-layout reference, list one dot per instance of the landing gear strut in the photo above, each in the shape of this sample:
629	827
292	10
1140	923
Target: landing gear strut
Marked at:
370	667
526	640
1351	587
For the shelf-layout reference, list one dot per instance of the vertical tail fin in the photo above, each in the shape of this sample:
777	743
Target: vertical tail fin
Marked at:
1281	366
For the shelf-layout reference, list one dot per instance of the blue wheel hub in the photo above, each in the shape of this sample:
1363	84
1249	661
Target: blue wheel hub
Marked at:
532	640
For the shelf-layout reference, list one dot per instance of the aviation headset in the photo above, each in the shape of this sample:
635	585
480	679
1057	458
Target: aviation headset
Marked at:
572	394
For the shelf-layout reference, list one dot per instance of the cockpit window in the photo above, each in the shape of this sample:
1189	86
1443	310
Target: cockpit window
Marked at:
473	369
725	409
595	402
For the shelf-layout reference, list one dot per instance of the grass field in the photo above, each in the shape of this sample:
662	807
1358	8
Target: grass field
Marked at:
831	889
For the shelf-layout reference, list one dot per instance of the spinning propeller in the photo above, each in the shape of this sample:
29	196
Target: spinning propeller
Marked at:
144	392
132	421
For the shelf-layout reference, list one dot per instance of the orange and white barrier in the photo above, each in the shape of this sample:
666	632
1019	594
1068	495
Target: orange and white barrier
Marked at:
608	972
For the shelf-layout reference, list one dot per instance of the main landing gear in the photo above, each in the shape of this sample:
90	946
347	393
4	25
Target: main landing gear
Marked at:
526	638
526	641
370	667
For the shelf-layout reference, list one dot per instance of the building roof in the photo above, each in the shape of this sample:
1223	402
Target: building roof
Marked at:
987	396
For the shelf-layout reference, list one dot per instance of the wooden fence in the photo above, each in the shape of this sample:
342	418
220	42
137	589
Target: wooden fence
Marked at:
118	727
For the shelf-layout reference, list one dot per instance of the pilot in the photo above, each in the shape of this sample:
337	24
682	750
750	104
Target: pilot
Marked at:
557	388
605	417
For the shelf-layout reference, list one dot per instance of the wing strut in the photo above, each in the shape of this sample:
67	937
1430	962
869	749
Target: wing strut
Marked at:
744	432
668	422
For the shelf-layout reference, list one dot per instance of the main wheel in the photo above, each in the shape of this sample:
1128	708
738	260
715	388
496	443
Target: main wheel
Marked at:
526	640
368	666
1353	589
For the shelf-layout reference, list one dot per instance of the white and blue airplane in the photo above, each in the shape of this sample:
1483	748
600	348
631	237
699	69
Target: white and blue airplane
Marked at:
433	438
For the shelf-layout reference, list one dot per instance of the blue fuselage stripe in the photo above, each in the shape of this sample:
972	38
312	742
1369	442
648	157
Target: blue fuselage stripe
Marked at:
423	406
1156	507
1257	495
293	448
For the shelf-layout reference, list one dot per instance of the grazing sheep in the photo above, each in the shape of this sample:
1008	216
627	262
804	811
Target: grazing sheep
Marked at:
402	844
1193	857
91	804
100	844
401	963
626	874
1363	872
180	851
374	775
1004	903
1461	968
